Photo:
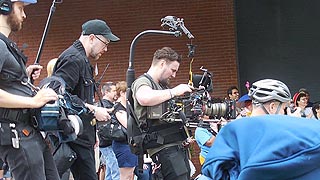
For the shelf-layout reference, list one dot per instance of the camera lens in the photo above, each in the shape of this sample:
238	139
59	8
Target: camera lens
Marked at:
215	109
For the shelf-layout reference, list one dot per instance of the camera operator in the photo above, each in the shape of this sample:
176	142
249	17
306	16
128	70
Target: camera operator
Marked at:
151	90
74	67
22	147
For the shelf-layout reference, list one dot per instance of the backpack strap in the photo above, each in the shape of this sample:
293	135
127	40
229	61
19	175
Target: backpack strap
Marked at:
134	141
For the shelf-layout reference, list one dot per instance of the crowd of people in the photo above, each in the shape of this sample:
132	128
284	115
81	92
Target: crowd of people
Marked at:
266	96
268	144
23	147
227	152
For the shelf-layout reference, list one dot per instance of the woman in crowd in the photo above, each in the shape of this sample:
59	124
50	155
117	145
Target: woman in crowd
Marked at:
126	160
300	110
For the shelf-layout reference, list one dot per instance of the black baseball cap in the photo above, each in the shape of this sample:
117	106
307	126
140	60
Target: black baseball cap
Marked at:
98	27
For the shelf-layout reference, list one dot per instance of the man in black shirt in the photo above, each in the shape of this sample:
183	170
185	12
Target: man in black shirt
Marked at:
74	67
22	147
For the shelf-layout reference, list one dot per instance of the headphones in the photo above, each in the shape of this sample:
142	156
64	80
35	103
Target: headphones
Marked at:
5	7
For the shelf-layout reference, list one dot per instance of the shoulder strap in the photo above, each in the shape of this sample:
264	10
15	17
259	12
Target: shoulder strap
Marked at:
143	124
130	110
117	107
153	84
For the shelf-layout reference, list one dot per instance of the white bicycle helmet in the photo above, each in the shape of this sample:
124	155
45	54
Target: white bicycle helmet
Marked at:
269	89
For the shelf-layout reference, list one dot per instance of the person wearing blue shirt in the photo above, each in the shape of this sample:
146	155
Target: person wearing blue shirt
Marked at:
204	139
268	144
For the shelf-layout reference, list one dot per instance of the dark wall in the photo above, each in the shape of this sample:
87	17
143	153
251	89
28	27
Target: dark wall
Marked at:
279	40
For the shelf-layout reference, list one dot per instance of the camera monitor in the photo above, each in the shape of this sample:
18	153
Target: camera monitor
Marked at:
202	80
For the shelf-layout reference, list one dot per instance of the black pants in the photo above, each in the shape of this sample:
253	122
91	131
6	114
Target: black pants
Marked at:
32	160
84	167
174	163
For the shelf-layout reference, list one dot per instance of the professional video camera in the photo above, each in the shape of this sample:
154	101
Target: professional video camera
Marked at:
197	104
192	107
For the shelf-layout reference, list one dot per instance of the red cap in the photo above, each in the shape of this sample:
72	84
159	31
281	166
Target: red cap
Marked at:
296	96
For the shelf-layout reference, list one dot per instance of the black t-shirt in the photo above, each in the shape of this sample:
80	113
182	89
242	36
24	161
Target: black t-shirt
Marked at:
12	71
106	103
12	74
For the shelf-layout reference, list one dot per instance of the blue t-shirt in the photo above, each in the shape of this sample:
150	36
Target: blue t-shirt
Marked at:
202	135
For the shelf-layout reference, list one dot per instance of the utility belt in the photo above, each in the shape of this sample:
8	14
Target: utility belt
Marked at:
15	115
12	133
14	124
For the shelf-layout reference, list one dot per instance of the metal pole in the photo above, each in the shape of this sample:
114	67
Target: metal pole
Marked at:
44	35
130	72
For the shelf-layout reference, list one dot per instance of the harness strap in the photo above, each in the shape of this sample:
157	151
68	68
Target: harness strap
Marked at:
15	115
161	135
19	56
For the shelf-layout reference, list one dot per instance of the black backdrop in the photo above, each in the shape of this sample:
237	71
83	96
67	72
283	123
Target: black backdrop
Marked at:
279	39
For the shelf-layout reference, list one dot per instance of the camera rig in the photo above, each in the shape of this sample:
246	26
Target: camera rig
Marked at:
189	109
197	109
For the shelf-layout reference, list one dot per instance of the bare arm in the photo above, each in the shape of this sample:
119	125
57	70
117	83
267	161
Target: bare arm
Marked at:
210	141
8	100
147	96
